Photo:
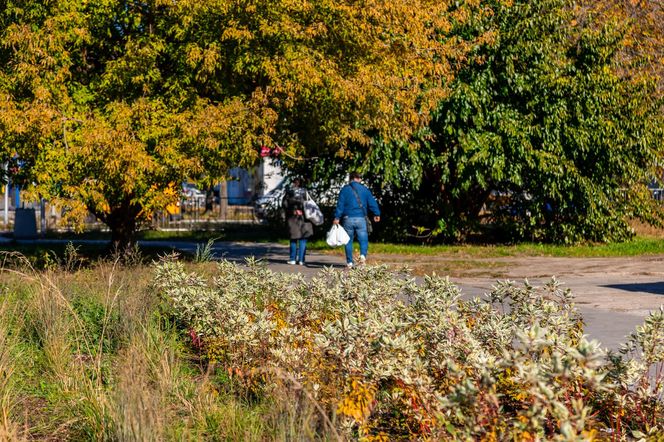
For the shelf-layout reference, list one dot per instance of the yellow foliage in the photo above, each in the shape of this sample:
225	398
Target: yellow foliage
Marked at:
380	437
357	400
527	437
590	435
644	44
490	437
510	389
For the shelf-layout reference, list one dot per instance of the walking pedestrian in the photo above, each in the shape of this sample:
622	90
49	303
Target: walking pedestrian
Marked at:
299	229
355	201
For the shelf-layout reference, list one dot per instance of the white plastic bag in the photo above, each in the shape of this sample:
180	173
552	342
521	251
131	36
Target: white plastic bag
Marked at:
312	212
337	236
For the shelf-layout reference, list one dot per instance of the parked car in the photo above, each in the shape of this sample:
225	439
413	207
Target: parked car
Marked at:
192	195
269	205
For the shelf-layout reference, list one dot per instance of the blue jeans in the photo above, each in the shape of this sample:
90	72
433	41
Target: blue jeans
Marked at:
298	248
356	226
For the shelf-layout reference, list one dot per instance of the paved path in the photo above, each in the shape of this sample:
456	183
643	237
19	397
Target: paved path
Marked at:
613	294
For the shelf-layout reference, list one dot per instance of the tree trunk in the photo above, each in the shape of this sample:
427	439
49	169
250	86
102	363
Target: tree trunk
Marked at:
209	199
123	222
223	200
123	237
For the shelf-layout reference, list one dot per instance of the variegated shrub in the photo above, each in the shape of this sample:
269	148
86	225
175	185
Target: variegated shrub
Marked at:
386	357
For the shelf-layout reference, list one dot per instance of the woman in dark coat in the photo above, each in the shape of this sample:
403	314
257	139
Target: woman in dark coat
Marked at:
299	229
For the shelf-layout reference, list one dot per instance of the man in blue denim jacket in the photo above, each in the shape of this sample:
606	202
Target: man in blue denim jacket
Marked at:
352	215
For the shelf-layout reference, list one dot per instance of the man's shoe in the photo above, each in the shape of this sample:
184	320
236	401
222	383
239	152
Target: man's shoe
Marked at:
300	263
363	259
290	262
349	265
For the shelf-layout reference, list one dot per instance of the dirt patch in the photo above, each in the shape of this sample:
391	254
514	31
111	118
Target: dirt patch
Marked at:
527	267
643	229
422	265
633	285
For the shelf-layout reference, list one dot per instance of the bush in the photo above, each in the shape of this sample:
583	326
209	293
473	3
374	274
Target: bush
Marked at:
383	357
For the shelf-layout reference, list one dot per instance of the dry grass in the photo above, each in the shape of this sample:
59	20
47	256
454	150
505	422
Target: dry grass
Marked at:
9	428
85	354
646	230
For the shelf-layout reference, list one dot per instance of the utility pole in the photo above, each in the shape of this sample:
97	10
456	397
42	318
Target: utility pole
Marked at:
42	216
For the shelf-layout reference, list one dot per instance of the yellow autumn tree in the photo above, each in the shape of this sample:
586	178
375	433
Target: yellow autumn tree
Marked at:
111	103
643	51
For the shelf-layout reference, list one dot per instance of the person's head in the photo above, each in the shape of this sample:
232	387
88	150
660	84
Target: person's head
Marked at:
354	176
297	182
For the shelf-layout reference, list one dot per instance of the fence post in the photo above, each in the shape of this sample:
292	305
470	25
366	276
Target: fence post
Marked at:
223	200
42	217
7	204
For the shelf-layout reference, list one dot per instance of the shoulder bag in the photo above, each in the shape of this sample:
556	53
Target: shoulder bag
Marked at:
312	212
366	216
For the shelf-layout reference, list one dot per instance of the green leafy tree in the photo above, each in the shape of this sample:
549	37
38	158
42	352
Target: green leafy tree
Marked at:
542	138
111	104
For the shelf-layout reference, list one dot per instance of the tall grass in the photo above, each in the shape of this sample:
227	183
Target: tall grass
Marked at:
9	429
85	354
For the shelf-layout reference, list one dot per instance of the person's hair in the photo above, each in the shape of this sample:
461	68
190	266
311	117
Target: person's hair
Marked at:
355	176
297	182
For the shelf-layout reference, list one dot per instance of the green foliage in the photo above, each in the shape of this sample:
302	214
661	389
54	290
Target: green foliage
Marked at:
519	116
97	323
391	359
345	354
475	254
8	348
629	371
542	137
204	253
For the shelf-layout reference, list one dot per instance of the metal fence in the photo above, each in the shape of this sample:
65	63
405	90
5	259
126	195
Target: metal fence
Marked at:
189	214
194	214
658	194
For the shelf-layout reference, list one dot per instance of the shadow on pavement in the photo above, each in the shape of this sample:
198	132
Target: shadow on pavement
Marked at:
240	258
656	288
